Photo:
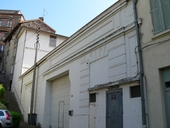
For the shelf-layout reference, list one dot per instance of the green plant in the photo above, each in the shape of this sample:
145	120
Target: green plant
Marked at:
16	118
4	102
2	91
2	106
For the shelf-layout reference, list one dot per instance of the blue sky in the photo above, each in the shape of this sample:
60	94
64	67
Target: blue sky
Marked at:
65	16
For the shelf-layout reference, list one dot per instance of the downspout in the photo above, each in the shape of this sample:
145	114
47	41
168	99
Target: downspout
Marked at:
140	66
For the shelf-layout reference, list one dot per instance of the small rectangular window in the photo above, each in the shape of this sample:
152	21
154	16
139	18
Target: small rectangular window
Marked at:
52	41
9	23
92	97
167	84
135	91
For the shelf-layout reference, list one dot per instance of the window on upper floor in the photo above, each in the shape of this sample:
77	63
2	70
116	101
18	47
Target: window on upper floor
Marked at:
52	41
160	11
1	48
5	22
3	34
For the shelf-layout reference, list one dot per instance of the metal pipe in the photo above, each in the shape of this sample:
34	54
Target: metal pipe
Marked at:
140	64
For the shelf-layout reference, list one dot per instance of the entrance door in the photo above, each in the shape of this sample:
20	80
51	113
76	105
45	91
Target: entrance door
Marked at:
114	109
166	84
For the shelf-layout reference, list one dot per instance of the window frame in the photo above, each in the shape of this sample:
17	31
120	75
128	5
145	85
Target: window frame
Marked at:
135	94
53	41
5	22
92	97
157	7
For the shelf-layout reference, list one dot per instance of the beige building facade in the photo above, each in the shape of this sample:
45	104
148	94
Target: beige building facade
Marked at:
155	40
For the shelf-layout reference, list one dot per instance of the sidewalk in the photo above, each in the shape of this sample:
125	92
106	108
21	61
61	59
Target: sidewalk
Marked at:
26	125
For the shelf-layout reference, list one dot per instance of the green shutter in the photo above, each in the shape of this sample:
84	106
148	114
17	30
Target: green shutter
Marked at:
156	16
166	13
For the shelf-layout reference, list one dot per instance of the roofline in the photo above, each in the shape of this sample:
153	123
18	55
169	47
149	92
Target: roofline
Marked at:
20	14
111	9
40	21
62	35
19	24
13	14
11	10
44	31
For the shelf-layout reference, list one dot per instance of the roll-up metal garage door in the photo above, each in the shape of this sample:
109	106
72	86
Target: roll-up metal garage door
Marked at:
60	102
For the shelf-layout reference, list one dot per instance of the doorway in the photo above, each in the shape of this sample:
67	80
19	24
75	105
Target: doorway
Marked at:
114	118
166	90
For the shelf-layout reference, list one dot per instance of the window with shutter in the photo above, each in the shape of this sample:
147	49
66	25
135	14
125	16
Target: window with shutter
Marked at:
52	41
156	16
160	10
166	13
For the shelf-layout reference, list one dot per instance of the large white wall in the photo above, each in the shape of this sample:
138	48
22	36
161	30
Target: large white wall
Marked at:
89	61
25	54
43	47
18	64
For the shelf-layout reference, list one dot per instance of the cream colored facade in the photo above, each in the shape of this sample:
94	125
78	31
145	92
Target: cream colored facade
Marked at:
155	48
99	59
20	49
25	53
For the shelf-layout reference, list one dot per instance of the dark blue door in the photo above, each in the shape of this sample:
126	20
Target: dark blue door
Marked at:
166	88
114	109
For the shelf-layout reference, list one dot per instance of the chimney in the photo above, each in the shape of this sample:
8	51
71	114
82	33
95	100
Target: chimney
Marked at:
41	18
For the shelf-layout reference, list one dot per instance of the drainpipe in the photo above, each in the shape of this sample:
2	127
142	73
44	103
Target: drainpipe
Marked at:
141	65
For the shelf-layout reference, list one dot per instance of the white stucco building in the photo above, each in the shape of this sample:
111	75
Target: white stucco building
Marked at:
91	79
20	48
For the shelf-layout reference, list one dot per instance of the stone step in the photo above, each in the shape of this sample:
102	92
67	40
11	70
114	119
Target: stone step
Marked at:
10	98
